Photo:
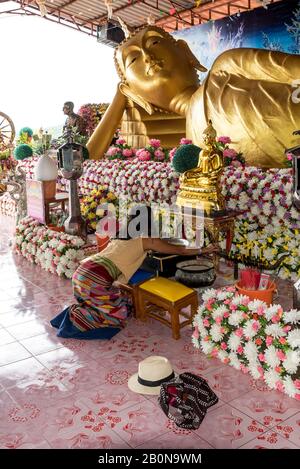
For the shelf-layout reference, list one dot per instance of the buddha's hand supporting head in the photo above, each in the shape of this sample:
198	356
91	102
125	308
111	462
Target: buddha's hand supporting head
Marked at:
155	68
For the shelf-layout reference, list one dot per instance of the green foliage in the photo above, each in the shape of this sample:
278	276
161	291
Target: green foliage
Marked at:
23	151
26	130
186	158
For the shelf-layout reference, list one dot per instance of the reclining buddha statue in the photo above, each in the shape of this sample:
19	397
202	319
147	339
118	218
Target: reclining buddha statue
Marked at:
247	94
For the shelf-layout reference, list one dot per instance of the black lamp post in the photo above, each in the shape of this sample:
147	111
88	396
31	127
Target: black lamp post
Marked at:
70	160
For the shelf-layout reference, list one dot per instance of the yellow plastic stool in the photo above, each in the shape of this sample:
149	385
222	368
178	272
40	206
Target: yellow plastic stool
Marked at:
159	296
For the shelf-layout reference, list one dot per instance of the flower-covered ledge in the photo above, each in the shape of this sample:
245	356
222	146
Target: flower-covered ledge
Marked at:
55	252
252	337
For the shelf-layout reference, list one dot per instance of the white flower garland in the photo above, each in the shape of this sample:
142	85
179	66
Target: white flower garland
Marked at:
58	253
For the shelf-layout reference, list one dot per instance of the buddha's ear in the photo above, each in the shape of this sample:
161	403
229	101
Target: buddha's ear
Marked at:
194	61
126	91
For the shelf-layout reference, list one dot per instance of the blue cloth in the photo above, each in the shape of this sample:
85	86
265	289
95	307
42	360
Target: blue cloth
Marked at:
140	275
68	330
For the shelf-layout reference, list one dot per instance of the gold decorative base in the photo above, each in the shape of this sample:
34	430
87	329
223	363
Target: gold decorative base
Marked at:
200	198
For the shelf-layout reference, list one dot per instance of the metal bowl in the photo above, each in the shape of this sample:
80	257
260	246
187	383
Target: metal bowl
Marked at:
195	273
177	241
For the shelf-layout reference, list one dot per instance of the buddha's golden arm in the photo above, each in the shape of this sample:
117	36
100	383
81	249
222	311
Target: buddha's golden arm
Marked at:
259	64
104	132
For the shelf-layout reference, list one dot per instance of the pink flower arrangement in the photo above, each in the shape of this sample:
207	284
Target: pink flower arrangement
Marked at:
143	155
153	151
224	140
120	150
229	153
265	349
185	141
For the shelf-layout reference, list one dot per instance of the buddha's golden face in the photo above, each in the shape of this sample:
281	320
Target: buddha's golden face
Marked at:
155	66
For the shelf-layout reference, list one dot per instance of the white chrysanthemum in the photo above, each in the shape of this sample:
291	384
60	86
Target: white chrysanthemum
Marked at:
201	310
222	355
234	342
289	386
254	371
271	311
271	357
255	304
293	338
64	261
237	300
71	253
195	342
267	209
222	295
268	254
206	347
60	247
210	293
271	378
219	311
234	360
216	333
235	318
251	352
249	332
292	316
292	361
53	243
275	330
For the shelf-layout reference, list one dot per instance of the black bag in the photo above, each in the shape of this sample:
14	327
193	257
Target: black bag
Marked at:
186	399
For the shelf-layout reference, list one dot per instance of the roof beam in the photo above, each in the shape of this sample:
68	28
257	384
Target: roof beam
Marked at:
61	7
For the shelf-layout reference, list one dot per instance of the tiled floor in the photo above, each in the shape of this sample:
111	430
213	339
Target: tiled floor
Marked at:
59	393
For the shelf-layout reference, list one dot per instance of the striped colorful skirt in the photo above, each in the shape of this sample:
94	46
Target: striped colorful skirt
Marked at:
100	311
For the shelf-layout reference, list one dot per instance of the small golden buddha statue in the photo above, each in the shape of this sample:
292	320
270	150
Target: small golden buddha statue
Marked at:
248	94
201	186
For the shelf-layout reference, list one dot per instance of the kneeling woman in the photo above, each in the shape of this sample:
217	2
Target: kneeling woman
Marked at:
100	311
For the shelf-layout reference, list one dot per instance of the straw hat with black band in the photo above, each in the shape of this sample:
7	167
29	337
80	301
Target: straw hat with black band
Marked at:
153	371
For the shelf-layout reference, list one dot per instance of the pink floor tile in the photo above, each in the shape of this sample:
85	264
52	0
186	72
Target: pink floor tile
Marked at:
13	352
290	429
108	400
228	383
62	357
43	390
227	428
41	343
17	315
6	337
269	440
141	423
15	373
177	438
70	424
28	329
20	424
269	407
81	377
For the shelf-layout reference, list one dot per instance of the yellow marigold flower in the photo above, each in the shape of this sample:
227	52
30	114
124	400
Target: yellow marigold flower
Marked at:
93	205
91	216
111	196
